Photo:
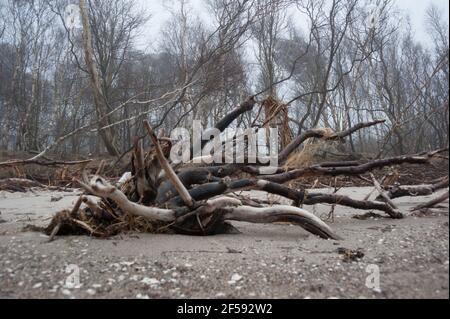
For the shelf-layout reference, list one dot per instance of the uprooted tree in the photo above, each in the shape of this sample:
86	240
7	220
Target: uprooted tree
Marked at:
199	199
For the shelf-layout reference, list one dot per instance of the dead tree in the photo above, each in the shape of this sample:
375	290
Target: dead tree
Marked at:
398	191
430	206
159	196
99	99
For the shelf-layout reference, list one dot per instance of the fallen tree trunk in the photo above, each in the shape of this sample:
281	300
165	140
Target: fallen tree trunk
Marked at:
333	199
170	173
18	184
274	214
42	163
398	191
319	170
99	187
432	203
299	197
158	197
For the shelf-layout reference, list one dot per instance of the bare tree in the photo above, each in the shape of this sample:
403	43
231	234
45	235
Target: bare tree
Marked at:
94	87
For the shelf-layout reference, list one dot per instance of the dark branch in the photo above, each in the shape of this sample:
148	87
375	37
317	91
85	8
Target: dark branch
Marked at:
320	133
319	170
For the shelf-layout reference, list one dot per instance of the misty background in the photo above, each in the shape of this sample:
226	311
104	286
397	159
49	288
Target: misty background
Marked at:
321	63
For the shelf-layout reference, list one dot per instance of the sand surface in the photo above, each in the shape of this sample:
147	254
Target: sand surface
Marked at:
264	261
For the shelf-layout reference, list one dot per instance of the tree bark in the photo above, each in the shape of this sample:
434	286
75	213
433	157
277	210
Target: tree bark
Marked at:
414	191
101	108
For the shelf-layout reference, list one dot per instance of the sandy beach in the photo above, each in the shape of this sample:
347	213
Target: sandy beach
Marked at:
264	261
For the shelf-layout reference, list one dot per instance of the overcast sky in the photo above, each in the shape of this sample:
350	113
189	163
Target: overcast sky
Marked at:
415	9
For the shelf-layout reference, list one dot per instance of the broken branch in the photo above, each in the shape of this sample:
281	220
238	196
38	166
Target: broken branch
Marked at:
170	173
322	133
318	170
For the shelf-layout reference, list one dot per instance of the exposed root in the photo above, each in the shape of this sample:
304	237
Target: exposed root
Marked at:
157	196
288	214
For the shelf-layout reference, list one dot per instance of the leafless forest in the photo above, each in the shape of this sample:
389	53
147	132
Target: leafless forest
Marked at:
342	70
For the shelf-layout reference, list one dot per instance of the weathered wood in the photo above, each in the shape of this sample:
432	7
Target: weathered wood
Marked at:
398	191
101	188
432	203
333	199
275	214
210	190
170	173
318	170
43	163
383	193
199	200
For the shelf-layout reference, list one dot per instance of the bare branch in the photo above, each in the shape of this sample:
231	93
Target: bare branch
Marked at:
170	173
318	133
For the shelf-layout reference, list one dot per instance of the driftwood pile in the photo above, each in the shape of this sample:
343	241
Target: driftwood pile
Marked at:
160	196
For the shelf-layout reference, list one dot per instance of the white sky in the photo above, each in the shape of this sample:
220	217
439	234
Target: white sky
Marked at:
415	9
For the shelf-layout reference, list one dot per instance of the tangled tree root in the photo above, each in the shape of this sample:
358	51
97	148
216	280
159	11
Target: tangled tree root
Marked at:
159	196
